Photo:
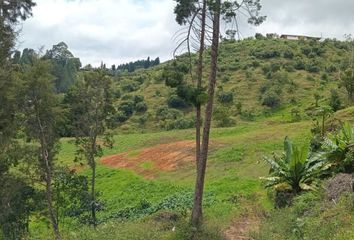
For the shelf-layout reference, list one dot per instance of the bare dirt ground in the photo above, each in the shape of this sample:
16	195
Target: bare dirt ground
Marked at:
241	228
148	161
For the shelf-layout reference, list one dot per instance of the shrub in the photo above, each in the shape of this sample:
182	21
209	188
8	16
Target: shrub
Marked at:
127	108
175	101
265	53
234	66
180	123
271	99
165	113
226	79
222	117
288	53
312	67
299	64
248	115
137	99
225	97
334	101
141	107
306	51
340	147
129	86
297	168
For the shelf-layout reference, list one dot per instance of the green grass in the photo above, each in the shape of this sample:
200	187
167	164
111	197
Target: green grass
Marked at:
235	161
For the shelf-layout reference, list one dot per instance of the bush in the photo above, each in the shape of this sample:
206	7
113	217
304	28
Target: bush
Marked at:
175	101
165	113
141	107
222	117
271	99
312	67
334	101
248	115
288	53
265	54
180	123
225	97
137	99
299	64
129	86
127	108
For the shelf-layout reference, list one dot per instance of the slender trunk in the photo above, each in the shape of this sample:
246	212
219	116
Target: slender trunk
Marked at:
93	182
93	195
48	179
52	214
197	207
199	81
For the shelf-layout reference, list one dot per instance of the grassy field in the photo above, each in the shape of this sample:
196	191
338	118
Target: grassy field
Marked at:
158	207
232	181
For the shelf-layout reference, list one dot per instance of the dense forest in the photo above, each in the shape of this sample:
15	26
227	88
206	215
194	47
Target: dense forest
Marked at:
241	139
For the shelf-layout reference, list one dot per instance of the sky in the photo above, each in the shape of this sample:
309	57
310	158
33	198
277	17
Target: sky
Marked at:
119	31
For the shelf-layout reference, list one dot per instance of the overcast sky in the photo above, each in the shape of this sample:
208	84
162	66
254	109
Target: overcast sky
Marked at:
117	31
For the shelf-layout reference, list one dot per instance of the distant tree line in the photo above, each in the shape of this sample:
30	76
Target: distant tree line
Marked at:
139	64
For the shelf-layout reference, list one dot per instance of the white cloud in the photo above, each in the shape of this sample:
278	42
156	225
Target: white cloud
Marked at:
117	31
113	31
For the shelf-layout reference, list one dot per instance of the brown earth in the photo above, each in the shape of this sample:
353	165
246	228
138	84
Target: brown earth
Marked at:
241	228
149	161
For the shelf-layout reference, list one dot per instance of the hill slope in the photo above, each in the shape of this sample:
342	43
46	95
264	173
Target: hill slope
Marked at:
256	78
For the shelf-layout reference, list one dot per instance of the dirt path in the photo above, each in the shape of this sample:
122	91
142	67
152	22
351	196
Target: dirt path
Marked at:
243	226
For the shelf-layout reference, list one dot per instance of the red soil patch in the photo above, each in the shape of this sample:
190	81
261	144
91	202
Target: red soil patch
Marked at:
163	157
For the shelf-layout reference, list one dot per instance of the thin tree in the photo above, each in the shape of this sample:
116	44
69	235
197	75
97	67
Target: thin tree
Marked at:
91	111
42	117
207	29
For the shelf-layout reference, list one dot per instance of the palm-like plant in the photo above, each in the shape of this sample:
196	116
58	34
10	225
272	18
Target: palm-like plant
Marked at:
298	167
340	147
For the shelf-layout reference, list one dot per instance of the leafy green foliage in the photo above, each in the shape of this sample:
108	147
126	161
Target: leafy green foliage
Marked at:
225	97
340	146
297	167
18	201
132	66
179	202
335	101
71	194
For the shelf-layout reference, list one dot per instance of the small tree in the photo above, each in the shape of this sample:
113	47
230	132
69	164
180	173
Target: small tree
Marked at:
92	112
42	117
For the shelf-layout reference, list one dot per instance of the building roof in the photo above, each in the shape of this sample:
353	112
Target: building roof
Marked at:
299	36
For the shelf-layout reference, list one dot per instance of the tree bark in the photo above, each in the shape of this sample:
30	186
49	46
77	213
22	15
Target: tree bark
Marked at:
93	183
48	179
197	212
52	214
199	81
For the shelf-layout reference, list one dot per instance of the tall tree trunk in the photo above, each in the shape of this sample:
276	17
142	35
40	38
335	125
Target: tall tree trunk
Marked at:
197	212
199	81
48	179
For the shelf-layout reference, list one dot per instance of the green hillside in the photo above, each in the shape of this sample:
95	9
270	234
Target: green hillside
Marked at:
147	201
257	78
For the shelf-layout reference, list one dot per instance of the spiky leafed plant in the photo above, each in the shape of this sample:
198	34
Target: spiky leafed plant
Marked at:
340	147
298	167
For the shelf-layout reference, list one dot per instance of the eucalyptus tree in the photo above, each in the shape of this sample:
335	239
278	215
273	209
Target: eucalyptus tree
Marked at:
91	110
202	21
